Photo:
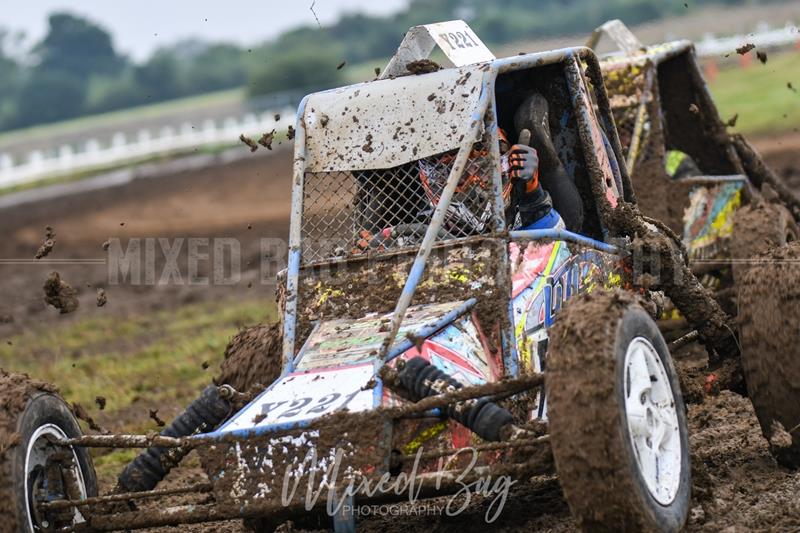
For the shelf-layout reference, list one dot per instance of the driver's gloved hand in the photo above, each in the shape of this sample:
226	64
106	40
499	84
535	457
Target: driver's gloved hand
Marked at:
523	162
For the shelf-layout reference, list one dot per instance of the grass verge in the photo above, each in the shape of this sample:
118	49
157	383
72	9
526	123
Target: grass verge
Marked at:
760	95
138	363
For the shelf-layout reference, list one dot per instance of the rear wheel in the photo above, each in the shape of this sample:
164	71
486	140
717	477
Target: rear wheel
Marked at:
758	228
616	417
769	314
34	467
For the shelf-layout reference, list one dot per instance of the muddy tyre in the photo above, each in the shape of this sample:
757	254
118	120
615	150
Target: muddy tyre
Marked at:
252	358
757	228
769	313
617	420
32	417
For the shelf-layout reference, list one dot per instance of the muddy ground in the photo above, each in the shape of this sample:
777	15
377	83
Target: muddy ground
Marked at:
247	201
737	485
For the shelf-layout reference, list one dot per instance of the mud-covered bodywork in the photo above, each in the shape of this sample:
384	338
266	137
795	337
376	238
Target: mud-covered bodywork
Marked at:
400	256
480	300
333	371
686	169
708	220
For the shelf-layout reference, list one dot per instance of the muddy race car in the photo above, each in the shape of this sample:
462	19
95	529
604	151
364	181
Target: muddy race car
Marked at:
710	187
423	352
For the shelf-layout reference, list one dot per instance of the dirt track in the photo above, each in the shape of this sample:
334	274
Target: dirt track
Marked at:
737	484
246	200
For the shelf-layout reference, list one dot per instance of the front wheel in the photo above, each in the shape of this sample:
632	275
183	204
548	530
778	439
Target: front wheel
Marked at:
33	467
617	420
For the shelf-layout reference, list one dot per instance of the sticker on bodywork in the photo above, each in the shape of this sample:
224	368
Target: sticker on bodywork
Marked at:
301	397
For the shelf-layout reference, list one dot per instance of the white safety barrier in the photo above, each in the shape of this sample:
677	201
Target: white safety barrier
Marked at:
119	148
763	38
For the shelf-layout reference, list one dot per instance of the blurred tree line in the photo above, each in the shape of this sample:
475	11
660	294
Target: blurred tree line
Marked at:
75	69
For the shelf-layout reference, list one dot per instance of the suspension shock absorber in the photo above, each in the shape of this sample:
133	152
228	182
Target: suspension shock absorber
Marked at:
149	467
481	415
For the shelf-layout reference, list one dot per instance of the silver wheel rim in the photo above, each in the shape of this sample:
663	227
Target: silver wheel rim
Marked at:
652	421
40	446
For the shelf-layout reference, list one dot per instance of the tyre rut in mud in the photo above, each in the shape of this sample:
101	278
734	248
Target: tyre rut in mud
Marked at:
769	314
596	449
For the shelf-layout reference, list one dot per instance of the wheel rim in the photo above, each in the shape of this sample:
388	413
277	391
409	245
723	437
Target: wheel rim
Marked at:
41	446
652	421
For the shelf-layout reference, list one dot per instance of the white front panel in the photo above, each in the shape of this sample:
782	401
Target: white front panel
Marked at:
385	123
306	396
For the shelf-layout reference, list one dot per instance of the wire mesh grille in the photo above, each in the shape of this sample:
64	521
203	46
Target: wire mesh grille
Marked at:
350	213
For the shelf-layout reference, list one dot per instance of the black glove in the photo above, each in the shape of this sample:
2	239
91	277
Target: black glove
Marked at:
523	163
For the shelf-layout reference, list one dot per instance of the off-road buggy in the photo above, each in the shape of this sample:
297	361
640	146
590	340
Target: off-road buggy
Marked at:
730	208
416	347
688	171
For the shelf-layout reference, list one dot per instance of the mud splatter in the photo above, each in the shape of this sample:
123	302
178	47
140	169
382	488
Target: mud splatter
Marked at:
153	414
290	133
102	299
82	414
367	147
101	402
423	66
742	50
252	358
341	65
417	340
48	244
762	56
266	140
60	294
249	142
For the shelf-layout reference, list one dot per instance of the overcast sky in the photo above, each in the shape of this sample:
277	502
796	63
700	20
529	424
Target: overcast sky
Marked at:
139	26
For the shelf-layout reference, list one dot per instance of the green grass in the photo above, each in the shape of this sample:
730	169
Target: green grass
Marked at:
759	94
134	113
156	357
137	363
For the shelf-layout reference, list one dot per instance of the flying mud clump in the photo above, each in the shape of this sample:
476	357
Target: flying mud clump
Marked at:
252	357
102	299
423	66
266	140
48	244
60	294
249	142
